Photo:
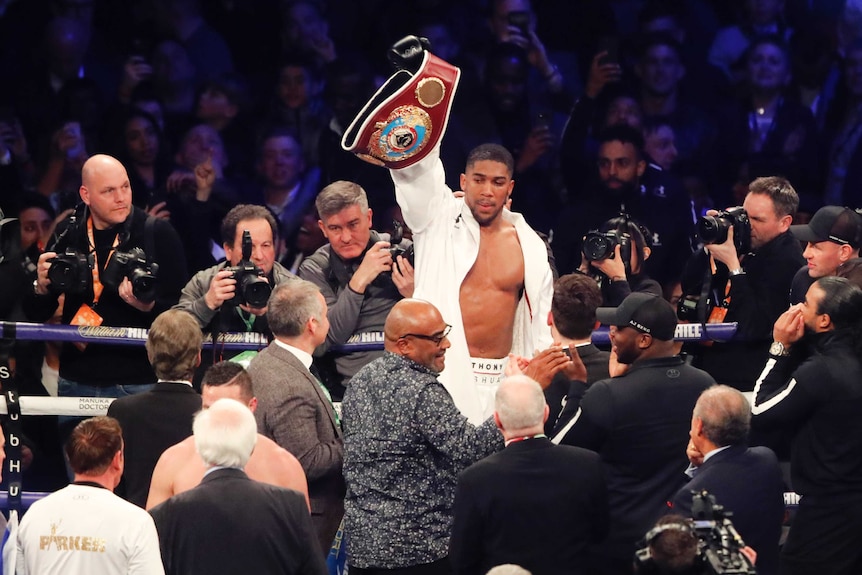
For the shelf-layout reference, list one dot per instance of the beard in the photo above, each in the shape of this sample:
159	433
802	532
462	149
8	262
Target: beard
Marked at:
625	189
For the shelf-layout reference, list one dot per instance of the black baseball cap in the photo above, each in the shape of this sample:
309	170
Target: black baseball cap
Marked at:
831	224
645	312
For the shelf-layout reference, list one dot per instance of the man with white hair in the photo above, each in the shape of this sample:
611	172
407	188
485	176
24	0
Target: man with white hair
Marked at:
534	504
270	527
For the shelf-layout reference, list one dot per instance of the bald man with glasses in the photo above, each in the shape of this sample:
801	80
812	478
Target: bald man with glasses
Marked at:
405	442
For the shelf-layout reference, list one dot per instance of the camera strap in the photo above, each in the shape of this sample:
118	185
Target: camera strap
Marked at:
149	240
97	284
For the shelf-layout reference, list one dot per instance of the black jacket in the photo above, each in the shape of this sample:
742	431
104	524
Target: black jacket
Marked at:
757	298
105	365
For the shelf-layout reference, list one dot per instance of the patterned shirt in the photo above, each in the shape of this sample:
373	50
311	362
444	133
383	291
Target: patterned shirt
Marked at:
405	443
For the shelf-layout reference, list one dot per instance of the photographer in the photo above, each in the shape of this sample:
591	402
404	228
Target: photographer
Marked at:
92	259
212	294
355	271
616	255
751	280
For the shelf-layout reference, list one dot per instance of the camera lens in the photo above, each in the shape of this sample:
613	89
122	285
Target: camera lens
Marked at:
143	285
598	247
255	291
712	230
61	275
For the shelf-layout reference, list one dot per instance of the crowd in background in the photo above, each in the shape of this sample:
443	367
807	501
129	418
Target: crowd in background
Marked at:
212	104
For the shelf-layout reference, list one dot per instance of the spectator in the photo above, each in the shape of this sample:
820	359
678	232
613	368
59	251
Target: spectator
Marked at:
817	394
288	185
769	133
223	105
833	237
298	105
535	504
404	444
294	408
141	146
844	138
572	320
269	525
355	272
660	70
84	527
154	420
744	481
180	468
730	45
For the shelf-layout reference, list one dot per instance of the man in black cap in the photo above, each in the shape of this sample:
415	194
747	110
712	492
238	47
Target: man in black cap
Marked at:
638	422
834	236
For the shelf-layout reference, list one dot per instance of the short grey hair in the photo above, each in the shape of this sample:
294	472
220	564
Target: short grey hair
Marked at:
338	196
291	304
508	569
520	403
726	415
225	434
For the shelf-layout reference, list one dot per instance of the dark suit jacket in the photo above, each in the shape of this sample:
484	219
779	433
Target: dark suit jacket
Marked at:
746	481
231	524
534	504
152	421
562	388
293	411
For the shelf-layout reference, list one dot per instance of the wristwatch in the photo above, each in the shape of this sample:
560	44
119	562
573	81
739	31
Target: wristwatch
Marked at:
777	349
737	272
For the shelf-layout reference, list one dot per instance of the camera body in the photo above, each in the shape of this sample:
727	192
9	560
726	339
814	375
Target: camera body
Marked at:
71	272
396	250
600	245
133	265
713	229
252	289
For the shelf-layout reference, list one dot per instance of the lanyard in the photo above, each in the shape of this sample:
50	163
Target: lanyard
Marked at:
525	438
97	285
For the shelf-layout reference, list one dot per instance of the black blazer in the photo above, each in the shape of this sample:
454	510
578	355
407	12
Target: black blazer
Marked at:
746	481
231	524
534	504
152	422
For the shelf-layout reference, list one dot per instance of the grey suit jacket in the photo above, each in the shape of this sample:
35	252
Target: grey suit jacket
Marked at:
293	411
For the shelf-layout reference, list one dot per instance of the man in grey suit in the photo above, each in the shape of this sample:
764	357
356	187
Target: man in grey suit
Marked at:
294	409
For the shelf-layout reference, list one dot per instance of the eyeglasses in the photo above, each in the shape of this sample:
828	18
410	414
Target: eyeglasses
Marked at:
436	338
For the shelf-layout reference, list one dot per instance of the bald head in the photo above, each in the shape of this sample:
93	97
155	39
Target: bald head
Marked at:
97	165
415	329
409	316
106	190
519	407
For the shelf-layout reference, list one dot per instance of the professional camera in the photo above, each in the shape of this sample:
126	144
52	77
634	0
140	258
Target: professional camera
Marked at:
395	250
70	272
718	543
600	245
252	288
713	229
133	265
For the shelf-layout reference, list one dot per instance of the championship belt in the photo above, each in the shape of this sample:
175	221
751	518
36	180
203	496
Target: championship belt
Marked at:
407	116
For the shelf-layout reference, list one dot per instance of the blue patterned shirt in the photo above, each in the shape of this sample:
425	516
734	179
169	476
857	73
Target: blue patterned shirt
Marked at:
405	443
